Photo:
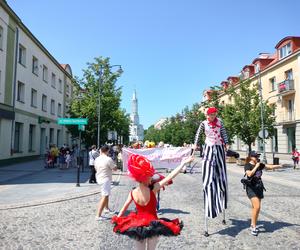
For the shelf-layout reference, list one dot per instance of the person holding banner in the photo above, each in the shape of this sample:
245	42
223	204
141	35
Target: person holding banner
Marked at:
214	174
144	226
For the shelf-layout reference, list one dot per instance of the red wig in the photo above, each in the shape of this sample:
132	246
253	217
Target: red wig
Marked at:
140	168
211	110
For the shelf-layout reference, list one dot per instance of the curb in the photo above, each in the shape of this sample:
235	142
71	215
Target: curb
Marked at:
56	200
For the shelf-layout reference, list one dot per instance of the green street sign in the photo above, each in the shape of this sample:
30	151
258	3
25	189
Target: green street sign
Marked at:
72	121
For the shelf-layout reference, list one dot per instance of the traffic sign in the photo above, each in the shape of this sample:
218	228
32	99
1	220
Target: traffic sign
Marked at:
261	134
72	121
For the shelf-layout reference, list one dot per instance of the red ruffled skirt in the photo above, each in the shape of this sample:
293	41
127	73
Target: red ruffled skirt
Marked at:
140	227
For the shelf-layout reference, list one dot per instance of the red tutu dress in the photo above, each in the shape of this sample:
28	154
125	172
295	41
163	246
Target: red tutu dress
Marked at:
145	223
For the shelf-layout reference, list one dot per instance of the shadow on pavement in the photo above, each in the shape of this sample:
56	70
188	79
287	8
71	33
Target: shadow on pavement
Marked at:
264	227
172	211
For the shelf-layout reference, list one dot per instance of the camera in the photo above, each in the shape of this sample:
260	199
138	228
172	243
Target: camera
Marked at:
261	166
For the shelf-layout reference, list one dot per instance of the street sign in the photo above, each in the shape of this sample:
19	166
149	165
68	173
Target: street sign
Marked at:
72	121
261	134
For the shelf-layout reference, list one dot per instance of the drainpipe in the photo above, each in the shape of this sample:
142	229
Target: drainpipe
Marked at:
14	92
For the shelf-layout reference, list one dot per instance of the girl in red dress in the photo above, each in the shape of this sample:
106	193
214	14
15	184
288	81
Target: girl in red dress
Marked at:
143	225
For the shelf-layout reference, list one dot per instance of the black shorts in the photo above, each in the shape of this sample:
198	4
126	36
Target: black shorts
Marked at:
255	191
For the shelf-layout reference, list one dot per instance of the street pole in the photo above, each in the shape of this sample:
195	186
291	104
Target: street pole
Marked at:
99	103
78	165
262	117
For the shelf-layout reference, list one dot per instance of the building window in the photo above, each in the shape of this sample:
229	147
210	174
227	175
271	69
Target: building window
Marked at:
52	107
59	110
31	145
285	50
21	92
35	66
51	137
60	85
58	138
44	103
45	73
68	89
288	74
33	98
256	68
53	80
273	85
1	37
18	137
22	55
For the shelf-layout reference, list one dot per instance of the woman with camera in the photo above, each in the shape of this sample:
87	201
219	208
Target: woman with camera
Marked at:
254	187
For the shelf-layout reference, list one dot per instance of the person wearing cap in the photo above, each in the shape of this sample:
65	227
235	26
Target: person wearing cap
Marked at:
214	174
104	165
255	188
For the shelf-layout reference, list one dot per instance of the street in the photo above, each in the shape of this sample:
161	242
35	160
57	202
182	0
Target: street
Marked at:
71	224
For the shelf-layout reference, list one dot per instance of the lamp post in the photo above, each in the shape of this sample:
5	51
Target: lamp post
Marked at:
99	99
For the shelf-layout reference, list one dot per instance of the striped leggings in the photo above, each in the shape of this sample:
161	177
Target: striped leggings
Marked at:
214	179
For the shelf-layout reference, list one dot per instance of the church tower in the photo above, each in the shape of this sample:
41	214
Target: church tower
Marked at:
136	129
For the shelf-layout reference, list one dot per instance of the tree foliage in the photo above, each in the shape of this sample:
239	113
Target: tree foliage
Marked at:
87	93
178	129
243	117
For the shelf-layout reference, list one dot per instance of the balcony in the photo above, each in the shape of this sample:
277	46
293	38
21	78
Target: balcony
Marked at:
286	117
286	87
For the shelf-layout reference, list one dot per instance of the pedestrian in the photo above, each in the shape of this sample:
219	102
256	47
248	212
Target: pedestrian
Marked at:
68	159
104	165
295	157
214	174
93	154
254	187
143	225
61	159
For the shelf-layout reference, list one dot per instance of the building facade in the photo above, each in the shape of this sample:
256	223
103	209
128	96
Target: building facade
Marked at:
35	90
279	75
136	130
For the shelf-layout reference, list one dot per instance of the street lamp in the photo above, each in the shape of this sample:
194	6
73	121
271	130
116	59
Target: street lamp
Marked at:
99	99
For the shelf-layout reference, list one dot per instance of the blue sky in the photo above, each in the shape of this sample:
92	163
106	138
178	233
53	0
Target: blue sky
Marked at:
170	50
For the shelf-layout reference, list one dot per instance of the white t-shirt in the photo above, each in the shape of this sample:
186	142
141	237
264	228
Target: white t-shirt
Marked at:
103	166
93	154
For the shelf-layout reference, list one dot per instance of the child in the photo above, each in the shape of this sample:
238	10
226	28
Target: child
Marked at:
68	159
144	226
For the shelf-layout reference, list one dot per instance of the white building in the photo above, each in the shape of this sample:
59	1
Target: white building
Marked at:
34	91
161	122
136	129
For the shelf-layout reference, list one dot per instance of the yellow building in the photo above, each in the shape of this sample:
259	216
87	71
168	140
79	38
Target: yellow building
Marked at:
279	74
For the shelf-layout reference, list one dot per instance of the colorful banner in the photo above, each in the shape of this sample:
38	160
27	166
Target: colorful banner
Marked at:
168	158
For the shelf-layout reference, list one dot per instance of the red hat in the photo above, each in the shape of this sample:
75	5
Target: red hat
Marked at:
211	110
140	168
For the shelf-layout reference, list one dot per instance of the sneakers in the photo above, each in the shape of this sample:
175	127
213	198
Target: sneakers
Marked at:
101	218
108	211
254	231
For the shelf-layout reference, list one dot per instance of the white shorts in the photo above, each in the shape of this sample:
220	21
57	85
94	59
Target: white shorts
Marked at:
105	186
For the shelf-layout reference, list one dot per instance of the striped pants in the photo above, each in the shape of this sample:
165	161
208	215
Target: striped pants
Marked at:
214	179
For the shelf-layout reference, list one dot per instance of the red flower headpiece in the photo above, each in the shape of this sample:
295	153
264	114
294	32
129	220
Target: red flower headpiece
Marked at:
211	110
140	168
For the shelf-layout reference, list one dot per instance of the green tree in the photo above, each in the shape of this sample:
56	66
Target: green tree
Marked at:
85	103
243	117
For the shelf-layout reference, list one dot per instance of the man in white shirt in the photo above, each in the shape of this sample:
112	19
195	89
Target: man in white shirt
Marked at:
104	166
93	154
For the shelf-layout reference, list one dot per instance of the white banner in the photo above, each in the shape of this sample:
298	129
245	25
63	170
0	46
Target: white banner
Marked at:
159	157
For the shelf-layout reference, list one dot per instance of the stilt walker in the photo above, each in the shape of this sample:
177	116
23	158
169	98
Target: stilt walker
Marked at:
214	174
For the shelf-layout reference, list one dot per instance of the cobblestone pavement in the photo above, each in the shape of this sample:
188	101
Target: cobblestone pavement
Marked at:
70	224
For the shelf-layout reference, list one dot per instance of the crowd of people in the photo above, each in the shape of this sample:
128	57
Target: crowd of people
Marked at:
64	157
